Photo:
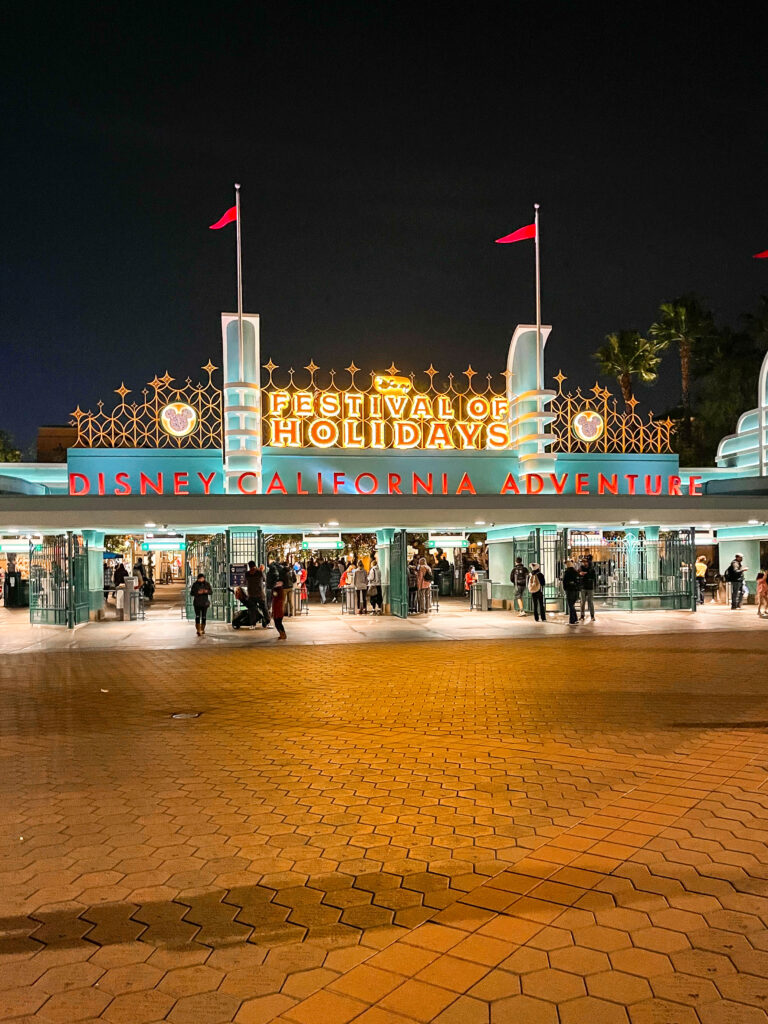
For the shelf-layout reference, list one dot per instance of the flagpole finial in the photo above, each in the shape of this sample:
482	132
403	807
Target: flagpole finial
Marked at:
237	187
535	206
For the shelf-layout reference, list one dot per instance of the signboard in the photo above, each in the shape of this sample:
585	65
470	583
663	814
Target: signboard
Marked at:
322	542
237	571
162	545
436	541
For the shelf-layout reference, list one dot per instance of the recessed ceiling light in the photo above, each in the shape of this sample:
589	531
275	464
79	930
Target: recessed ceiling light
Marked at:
479	522
150	525
634	522
333	522
753	522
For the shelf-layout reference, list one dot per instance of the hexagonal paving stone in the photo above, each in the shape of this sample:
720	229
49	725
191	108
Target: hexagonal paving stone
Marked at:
552	986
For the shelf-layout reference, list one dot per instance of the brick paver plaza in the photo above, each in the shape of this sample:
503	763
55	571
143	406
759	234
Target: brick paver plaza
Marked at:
487	832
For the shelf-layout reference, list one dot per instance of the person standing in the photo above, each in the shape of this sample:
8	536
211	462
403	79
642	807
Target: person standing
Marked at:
424	585
587	579
701	576
762	595
360	582
334	580
120	575
323	579
200	592
519	578
254	585
571	588
280	584
734	575
374	588
413	585
536	590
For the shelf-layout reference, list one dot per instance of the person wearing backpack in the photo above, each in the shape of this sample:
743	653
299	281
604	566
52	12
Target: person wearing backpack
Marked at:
587	579
734	575
519	578
424	577
536	590
571	586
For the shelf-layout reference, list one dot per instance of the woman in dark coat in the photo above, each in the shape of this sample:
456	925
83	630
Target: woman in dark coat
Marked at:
280	583
201	598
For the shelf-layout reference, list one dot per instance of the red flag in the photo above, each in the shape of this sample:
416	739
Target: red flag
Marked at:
529	231
761	255
228	217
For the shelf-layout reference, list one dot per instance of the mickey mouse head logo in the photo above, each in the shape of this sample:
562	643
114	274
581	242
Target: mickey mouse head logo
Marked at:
588	425
178	419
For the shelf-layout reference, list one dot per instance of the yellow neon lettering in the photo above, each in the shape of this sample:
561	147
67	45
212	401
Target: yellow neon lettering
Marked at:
353	433
499	408
323	433
329	403
439	435
407	433
286	433
421	407
353	405
303	403
497	436
377	434
396	405
278	402
444	408
477	407
469	433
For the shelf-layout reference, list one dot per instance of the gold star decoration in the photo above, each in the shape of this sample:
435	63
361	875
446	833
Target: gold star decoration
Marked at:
166	379
431	373
270	366
392	369
122	390
560	377
209	367
312	367
352	370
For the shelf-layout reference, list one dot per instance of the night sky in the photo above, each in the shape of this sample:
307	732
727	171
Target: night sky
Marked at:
381	148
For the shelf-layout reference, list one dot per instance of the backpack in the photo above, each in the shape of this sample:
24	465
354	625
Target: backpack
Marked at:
534	583
518	575
730	574
428	574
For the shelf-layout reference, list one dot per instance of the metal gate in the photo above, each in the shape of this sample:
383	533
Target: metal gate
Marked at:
398	574
209	555
58	580
547	547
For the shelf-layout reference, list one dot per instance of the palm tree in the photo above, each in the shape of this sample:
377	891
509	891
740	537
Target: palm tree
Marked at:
683	322
626	354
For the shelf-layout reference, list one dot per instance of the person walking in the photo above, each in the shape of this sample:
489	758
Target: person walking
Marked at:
200	592
587	579
413	585
360	581
734	575
280	584
762	595
519	578
254	585
334	581
120	575
374	588
323	580
536	590
701	576
424	585
571	586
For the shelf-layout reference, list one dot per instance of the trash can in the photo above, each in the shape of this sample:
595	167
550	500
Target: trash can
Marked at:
478	596
444	584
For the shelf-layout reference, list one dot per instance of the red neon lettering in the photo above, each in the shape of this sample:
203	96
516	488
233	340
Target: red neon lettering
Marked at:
630	478
609	484
99	483
558	482
73	478
530	479
582	483
276	484
123	485
180	483
465	484
368	476
338	481
652	490
694	486
673	487
393	483
425	486
445	483
299	489
206	482
509	485
145	482
241	480
319	483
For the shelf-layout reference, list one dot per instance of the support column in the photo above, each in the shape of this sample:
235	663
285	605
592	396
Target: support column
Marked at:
383	539
95	542
242	403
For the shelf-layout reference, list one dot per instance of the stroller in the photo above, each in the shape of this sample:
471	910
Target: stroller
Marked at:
250	615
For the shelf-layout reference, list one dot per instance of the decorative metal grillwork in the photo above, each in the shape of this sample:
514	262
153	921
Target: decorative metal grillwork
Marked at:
137	424
622	432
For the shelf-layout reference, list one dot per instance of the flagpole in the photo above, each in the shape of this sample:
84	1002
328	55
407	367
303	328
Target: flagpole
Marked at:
539	359
240	281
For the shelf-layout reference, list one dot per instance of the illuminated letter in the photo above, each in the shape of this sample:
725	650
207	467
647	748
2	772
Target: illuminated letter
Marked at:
605	484
444	478
299	489
558	482
652	490
509	485
374	406
444	410
353	434
393	483
286	433
497	436
353	405
418	482
630	478
694	486
180	483
369	476
396	405
278	402
465	484
323	433
477	407
240	481
469	433
582	483
407	433
439	435
673	487
499	408
122	481
338	481
377	433
99	483
145	482
530	480
421	407
73	478
303	404
329	404
276	484
206	482
319	483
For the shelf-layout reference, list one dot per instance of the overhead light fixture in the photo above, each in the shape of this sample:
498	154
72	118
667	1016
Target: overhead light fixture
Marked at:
333	522
479	522
150	525
634	522
753	522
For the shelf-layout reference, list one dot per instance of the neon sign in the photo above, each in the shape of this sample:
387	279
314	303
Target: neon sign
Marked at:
588	425
178	419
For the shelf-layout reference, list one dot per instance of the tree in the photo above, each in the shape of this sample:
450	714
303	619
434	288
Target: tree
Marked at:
683	322
626	354
8	450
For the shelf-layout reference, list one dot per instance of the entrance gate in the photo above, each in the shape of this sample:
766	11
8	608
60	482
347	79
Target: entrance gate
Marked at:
210	556
547	547
58	580
398	574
